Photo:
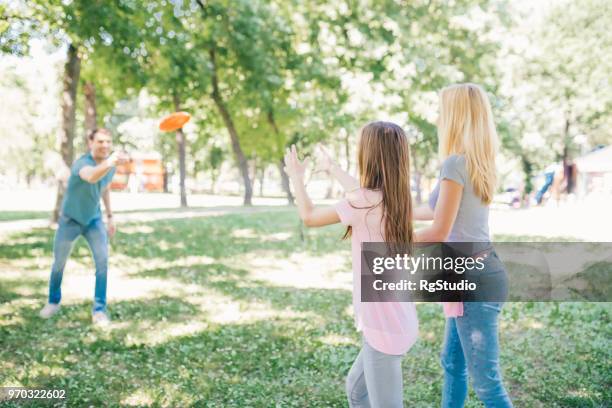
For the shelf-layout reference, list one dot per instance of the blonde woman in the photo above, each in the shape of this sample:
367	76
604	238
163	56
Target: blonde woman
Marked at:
459	208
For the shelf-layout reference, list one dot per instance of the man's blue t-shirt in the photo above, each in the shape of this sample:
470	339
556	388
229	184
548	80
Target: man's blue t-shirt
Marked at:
82	199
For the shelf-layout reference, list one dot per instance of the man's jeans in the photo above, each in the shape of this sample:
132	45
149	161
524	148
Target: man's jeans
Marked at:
67	233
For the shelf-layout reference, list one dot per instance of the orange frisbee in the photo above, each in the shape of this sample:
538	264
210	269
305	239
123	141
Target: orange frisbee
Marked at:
174	121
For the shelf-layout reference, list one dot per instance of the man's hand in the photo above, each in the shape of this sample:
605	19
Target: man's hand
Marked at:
117	158
110	227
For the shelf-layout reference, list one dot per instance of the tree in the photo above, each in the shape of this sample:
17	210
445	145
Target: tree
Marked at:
26	145
91	114
214	160
570	75
437	44
180	142
71	81
254	72
555	102
16	28
84	28
411	50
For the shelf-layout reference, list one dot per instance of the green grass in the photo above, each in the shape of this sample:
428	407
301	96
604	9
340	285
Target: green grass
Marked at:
37	215
23	215
240	311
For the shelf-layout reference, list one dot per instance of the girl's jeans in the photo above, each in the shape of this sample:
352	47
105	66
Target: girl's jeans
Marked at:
375	379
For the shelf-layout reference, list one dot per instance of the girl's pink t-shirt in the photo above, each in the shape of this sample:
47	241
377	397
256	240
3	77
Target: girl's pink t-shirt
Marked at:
389	327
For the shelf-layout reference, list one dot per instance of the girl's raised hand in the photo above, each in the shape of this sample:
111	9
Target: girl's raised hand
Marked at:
293	167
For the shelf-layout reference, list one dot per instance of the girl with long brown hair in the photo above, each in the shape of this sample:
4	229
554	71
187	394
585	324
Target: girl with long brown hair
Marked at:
379	209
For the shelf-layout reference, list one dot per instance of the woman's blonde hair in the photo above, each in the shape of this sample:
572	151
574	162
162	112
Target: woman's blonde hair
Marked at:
465	126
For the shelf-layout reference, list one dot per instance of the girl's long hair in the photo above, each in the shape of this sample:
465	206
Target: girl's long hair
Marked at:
384	165
466	127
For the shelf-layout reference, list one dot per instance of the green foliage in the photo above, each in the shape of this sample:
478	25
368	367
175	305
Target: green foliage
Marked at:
570	77
15	30
435	44
215	157
281	66
30	160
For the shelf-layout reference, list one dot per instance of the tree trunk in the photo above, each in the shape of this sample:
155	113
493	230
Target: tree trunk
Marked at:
347	151
72	71
231	128
213	181
568	173
165	177
527	166
180	140
262	175
281	165
91	115
285	181
253	172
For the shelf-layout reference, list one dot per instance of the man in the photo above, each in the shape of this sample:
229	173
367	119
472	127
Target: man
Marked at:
89	181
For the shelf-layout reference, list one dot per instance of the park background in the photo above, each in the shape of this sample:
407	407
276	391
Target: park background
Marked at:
218	296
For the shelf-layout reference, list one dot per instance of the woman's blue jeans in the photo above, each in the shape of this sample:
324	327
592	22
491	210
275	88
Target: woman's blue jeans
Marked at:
471	346
67	233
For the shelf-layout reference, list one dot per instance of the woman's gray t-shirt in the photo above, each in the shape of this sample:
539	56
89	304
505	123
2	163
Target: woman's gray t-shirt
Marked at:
472	222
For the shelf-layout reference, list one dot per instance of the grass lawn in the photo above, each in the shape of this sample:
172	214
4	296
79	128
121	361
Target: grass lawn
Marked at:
46	215
243	310
23	215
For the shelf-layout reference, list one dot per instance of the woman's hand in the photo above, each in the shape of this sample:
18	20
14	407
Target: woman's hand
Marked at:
293	166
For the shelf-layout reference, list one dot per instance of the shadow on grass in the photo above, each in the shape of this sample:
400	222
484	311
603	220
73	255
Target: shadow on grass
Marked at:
214	236
228	235
236	284
161	308
11	289
269	362
223	365
38	243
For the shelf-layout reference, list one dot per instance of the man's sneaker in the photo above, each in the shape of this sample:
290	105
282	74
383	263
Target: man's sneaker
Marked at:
100	319
49	310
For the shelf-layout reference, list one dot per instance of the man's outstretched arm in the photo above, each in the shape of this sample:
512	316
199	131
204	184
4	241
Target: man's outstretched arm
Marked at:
93	174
